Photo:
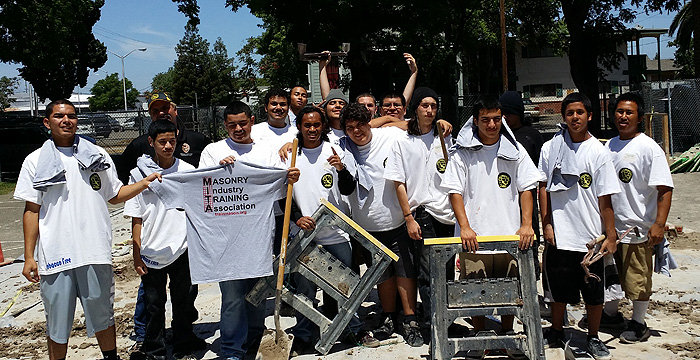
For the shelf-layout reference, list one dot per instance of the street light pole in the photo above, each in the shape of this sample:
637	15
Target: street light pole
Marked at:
123	77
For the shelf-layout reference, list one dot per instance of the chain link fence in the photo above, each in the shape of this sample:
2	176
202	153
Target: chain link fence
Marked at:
680	100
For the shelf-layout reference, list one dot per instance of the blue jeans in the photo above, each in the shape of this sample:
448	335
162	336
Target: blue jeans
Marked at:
141	316
241	322
305	329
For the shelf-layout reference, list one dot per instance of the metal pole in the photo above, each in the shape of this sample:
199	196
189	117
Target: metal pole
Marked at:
504	54
124	82
124	77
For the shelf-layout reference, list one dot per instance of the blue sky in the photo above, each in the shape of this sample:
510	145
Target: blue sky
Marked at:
158	26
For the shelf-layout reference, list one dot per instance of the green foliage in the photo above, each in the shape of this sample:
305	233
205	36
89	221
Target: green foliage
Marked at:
108	94
683	59
434	32
686	26
164	81
7	188
200	76
53	41
7	89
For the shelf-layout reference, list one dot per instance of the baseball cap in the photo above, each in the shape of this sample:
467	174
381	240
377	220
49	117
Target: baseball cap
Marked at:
159	96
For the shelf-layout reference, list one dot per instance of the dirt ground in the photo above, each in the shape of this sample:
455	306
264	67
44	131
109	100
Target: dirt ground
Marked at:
674	315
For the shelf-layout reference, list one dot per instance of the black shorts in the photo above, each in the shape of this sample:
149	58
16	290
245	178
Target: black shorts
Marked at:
398	241
566	278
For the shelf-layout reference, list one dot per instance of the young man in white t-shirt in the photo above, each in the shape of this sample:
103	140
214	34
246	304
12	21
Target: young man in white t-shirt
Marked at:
575	205
241	324
376	208
298	98
322	166
160	252
66	184
416	166
489	179
644	202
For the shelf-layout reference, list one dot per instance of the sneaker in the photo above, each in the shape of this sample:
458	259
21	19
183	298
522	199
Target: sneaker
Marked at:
616	322
553	338
412	335
598	350
635	333
367	339
387	327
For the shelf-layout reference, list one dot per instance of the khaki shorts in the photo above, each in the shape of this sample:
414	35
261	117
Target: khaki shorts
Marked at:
481	266
635	267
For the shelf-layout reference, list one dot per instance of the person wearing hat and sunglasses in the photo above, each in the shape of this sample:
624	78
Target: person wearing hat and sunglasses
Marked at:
189	143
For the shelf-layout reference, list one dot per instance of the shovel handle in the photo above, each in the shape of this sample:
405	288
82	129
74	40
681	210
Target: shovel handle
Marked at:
442	141
285	228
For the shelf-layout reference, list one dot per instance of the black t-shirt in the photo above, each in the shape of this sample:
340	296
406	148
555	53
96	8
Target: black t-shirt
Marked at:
189	148
531	140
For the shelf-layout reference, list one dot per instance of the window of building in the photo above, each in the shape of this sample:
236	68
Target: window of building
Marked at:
541	90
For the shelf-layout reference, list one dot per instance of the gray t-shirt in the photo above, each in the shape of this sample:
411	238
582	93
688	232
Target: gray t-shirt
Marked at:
230	222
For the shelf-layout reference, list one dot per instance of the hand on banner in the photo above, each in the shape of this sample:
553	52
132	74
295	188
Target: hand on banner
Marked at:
227	160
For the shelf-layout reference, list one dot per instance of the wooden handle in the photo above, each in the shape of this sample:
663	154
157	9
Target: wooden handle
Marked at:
442	141
285	228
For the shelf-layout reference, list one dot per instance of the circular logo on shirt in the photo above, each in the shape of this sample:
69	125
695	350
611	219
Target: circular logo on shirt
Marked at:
585	180
625	175
384	163
503	180
185	148
95	182
441	165
327	181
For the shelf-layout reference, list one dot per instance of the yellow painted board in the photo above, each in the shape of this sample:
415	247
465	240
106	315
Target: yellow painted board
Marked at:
456	240
359	229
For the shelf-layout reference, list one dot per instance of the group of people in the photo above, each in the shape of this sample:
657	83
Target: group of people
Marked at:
389	172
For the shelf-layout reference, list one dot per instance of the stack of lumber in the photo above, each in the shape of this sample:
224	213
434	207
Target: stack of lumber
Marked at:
689	161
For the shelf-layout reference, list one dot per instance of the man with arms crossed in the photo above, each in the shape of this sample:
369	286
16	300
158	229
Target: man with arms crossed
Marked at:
644	202
66	184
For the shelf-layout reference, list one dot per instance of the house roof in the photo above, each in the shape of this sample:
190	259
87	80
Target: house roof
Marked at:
666	65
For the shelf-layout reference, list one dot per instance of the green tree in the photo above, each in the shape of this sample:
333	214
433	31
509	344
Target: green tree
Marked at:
200	75
686	26
595	28
108	94
221	75
683	59
164	81
53	42
7	89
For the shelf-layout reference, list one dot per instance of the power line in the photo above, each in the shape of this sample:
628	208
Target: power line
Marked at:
130	38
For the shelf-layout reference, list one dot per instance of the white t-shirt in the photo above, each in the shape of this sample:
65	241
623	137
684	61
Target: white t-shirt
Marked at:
263	132
641	166
335	135
490	187
260	153
292	118
318	180
576	215
418	162
163	232
74	225
230	222
381	211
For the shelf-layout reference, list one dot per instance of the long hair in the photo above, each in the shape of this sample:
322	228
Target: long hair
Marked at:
324	124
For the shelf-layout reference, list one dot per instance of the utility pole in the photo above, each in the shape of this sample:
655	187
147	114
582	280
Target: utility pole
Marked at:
124	78
504	53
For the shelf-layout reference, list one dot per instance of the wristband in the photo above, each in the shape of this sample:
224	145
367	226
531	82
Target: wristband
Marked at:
408	214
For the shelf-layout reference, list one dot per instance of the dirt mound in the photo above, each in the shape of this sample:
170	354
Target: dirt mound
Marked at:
690	349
